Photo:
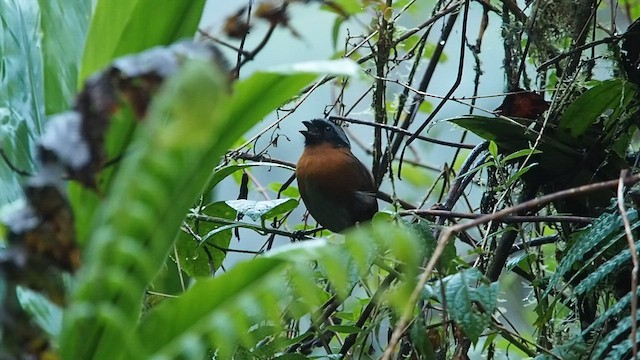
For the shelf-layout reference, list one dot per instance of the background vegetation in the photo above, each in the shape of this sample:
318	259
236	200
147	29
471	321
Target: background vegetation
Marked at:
518	242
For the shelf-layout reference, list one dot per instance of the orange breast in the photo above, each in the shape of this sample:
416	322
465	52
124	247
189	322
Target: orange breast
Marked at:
328	179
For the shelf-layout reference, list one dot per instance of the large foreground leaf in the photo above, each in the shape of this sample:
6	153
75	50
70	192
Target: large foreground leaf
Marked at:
40	43
124	27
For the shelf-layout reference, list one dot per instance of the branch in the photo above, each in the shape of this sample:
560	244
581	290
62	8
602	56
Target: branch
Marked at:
507	219
400	130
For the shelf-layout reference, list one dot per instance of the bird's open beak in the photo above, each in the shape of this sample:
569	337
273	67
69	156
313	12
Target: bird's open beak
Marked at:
309	126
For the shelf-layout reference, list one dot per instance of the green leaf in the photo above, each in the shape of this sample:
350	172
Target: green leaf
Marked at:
344	329
588	107
21	91
520	259
224	171
125	252
335	31
520	154
611	342
192	258
426	107
197	311
464	292
45	313
120	28
290	191
493	149
513	136
263	210
344	7
64	29
559	152
420	339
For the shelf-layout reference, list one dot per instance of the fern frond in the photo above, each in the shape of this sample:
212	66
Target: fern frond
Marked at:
608	227
622	327
614	310
593	279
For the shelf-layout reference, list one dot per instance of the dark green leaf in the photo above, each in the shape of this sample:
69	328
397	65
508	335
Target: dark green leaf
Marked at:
344	329
587	108
420	339
470	301
559	152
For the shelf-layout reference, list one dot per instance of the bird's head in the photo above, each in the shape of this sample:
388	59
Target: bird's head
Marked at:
324	131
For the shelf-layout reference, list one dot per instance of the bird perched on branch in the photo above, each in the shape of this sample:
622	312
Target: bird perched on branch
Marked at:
336	187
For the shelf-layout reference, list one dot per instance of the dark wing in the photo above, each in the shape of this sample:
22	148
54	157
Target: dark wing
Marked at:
365	204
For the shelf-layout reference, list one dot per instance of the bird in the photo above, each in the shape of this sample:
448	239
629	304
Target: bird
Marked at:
337	189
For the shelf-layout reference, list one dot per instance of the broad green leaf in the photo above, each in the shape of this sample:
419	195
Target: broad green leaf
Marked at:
586	109
22	104
194	313
559	151
64	29
120	28
463	290
510	135
192	258
203	259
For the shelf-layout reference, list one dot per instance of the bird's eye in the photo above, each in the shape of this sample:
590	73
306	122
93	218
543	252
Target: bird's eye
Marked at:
327	129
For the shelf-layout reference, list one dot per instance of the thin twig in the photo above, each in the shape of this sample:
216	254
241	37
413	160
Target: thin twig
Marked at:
507	219
634	260
403	131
